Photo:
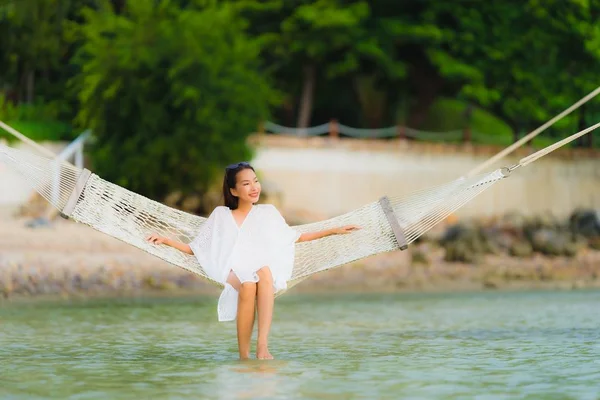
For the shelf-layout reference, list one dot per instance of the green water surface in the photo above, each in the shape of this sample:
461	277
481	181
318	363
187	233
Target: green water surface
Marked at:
481	345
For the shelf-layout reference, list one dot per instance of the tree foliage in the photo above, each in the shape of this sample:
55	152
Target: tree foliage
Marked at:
172	87
525	63
170	93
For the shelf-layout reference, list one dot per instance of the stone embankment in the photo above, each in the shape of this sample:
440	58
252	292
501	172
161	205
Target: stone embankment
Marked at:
71	260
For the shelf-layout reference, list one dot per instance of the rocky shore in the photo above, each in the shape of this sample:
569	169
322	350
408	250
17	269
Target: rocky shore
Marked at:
64	259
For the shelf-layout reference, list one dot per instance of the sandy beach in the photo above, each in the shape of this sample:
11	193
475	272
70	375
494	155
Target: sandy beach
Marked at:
67	259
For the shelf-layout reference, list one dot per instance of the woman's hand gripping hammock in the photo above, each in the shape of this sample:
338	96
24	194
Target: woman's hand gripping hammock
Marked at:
158	240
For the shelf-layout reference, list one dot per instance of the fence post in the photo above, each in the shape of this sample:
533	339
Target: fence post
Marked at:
334	129
467	135
260	132
401	130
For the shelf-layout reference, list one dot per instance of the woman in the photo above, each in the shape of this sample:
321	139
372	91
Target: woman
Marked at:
250	250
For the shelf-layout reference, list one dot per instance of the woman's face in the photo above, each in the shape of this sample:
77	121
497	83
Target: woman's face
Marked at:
247	187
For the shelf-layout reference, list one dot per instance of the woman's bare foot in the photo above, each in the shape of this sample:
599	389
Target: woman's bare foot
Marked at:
262	353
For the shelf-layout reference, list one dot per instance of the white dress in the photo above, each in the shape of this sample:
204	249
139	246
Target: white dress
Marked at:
263	240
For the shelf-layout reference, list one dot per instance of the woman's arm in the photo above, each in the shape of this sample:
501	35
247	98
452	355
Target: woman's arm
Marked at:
155	239
308	236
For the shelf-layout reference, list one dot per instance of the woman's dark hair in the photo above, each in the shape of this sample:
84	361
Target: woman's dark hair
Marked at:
229	181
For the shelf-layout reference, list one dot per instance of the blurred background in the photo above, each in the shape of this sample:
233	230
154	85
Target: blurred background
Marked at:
336	103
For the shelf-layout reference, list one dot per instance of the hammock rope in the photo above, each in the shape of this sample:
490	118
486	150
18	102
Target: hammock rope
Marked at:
533	134
547	150
88	199
388	224
25	139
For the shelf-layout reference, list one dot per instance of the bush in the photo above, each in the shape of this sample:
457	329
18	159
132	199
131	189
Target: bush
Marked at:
448	114
38	121
171	94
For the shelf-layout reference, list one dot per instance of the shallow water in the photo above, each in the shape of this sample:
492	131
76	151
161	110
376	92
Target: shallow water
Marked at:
482	345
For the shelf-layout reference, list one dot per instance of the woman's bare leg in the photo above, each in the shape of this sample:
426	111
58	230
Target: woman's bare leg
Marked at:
265	304
234	281
245	317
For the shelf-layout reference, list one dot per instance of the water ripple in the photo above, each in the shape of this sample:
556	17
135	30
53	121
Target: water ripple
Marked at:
485	345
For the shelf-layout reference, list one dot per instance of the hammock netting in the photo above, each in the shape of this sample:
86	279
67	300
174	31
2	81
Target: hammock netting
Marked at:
387	224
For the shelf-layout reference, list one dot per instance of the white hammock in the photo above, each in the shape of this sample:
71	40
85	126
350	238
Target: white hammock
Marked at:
387	225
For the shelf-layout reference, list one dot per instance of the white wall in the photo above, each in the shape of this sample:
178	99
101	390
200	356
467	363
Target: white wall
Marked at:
331	178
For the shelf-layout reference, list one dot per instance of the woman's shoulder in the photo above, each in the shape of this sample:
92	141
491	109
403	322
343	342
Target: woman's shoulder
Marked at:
219	210
266	207
269	210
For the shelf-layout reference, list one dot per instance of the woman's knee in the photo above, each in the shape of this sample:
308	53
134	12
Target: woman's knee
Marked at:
265	275
247	290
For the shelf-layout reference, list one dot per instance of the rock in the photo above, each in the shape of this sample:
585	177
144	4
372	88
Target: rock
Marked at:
546	222
491	283
570	249
541	240
465	243
581	243
594	243
457	232
419	257
553	243
512	222
549	221
461	252
503	240
521	249
585	222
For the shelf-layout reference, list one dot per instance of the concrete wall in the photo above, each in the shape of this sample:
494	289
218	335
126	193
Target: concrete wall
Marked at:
333	177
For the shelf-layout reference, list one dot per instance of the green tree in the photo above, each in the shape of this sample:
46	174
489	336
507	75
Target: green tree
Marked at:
35	41
170	93
305	40
526	63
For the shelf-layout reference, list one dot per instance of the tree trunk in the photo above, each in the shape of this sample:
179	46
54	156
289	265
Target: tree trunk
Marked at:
20	86
119	6
306	102
516	128
581	126
516	135
29	86
372	100
428	84
289	110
